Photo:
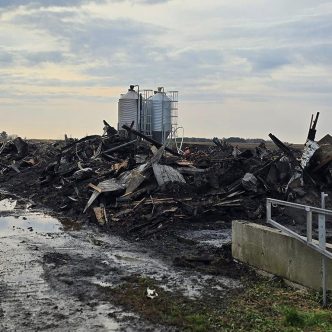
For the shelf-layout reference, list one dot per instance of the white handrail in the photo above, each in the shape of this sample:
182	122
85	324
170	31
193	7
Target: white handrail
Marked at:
319	246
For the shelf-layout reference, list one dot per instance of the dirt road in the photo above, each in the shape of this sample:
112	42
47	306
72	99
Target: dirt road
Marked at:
53	279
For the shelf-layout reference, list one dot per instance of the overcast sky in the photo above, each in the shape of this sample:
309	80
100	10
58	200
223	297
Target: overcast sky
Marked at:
242	68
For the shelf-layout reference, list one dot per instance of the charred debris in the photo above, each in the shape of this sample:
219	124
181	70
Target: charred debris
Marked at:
144	187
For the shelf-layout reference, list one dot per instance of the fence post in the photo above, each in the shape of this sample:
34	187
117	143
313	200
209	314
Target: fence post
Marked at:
309	224
268	211
322	244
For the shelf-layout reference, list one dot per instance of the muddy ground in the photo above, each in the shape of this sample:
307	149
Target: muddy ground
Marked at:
70	276
60	271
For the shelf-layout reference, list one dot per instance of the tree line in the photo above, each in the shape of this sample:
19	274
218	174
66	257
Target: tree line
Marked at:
227	139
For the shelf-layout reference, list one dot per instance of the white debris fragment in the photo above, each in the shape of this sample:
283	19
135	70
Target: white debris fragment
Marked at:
151	293
7	204
309	149
249	182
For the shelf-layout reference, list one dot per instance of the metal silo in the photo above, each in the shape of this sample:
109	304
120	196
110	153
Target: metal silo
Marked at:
161	112
128	109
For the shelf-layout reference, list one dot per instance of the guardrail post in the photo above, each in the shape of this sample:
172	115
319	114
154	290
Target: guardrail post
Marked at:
268	210
322	245
309	224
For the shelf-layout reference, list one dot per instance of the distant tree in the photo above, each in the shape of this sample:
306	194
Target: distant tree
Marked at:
3	136
255	140
235	140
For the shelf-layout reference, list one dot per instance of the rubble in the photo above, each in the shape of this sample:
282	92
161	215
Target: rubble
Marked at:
249	182
145	187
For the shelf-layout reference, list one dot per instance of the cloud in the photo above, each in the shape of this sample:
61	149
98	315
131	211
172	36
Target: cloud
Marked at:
6	58
45	3
152	2
34	58
70	3
221	52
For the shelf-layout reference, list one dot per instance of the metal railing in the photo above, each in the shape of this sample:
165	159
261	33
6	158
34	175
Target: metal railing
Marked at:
321	245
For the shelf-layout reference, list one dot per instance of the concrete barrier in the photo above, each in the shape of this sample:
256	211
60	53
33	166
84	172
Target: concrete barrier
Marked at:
272	251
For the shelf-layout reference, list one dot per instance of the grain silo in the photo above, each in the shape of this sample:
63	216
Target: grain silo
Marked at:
161	112
154	115
128	109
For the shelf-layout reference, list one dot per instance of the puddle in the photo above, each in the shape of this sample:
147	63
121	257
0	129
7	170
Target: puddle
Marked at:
215	238
52	279
7	204
28	222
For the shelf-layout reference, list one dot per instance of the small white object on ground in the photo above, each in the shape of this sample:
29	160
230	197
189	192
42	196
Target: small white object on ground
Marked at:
151	293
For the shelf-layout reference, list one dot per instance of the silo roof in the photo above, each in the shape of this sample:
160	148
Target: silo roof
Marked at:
160	96
130	95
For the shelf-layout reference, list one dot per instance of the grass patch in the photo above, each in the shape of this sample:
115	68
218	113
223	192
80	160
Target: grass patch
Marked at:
264	306
272	306
303	319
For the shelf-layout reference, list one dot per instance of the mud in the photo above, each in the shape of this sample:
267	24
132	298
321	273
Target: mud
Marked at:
57	278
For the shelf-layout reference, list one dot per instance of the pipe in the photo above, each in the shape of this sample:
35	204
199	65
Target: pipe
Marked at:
119	147
150	140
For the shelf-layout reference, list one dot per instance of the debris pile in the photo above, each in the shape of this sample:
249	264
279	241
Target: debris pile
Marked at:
145	187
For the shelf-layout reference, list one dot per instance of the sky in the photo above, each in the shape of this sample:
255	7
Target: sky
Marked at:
242	68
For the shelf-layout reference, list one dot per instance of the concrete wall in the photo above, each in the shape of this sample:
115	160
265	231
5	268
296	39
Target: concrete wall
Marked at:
272	251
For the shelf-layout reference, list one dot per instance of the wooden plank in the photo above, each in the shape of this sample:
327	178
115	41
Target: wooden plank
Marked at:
106	186
184	163
191	170
165	174
96	188
100	214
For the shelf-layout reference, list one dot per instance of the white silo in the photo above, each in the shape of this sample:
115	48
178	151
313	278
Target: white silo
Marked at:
161	112
128	109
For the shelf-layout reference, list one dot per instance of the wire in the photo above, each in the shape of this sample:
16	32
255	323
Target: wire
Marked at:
174	134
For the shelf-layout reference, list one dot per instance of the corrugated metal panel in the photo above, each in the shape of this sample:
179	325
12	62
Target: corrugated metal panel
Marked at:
161	112
165	174
127	109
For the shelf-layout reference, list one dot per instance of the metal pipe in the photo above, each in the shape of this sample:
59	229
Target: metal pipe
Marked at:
309	224
152	141
268	211
299	206
138	108
119	146
302	239
322	245
162	119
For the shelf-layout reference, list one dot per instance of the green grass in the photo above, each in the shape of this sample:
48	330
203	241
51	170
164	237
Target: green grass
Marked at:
272	306
304	319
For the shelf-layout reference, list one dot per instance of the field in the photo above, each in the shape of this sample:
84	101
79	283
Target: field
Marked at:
242	146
